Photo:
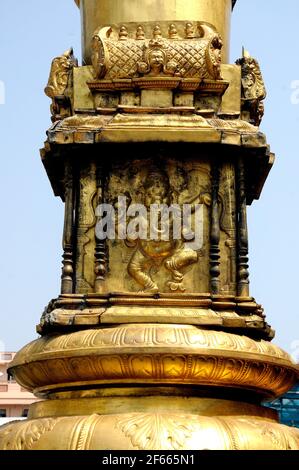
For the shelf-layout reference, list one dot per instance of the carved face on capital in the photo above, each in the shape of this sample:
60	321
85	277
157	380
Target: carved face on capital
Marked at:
156	59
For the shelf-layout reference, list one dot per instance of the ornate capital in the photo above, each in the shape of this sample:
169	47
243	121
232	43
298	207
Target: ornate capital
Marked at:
187	50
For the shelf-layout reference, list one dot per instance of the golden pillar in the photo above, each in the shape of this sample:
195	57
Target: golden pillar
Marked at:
155	342
95	13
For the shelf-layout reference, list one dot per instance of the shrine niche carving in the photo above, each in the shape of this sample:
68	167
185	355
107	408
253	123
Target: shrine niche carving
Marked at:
159	261
150	253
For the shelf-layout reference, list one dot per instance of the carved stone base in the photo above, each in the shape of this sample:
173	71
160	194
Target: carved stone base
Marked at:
151	386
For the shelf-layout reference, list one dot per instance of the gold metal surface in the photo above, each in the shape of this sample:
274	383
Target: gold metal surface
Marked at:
227	312
152	344
231	100
139	400
148	431
153	354
143	127
96	13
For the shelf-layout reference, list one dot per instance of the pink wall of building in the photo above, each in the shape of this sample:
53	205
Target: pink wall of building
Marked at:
14	400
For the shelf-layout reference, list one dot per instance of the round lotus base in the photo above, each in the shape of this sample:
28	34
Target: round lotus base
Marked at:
153	354
151	386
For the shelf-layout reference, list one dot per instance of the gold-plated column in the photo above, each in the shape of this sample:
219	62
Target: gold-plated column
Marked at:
95	13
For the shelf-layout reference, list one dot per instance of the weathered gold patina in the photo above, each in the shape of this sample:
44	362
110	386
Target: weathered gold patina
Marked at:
155	343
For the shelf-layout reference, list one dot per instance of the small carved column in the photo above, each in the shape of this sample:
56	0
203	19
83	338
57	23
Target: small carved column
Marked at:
85	226
68	261
101	248
228	225
215	232
243	273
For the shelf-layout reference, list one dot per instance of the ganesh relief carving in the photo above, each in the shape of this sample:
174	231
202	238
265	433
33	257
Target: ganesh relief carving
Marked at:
161	228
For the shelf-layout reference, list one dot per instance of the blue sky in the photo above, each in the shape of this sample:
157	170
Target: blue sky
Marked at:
32	33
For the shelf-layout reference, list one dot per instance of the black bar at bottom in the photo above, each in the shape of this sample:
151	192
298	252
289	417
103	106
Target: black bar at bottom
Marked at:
149	459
